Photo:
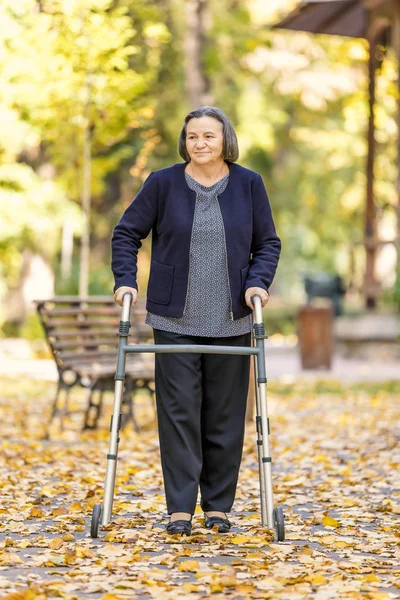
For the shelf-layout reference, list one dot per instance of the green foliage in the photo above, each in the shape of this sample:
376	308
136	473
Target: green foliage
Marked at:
81	74
101	281
66	67
298	103
32	329
396	293
32	211
334	387
282	320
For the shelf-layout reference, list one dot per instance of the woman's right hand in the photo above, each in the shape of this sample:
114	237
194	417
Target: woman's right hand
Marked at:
119	294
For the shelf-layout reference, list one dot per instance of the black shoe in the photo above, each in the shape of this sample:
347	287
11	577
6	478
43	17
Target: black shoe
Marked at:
224	525
180	526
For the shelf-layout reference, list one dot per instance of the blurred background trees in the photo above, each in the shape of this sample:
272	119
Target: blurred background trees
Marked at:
93	98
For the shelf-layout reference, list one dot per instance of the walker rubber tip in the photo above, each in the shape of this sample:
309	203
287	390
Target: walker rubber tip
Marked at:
96	514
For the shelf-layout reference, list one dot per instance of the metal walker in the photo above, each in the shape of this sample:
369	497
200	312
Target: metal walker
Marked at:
271	518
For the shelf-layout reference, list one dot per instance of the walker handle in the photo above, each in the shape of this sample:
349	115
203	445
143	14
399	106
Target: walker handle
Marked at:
126	306
257	312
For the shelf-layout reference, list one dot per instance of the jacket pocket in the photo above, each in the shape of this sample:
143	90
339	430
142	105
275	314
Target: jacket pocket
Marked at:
243	276
160	283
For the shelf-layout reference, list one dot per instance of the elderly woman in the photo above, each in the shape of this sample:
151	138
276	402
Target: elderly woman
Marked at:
214	246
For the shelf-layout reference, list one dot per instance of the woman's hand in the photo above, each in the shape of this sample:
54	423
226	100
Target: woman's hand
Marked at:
256	291
119	294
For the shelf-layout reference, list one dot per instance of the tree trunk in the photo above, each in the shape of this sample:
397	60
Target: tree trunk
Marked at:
396	44
86	188
197	83
370	209
67	247
36	283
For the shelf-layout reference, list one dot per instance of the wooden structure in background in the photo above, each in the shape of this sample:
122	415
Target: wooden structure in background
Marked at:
378	21
315	331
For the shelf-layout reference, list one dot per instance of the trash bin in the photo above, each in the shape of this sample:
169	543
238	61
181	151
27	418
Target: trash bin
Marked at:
322	285
315	332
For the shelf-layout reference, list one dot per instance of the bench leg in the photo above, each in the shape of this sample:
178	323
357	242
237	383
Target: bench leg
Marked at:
59	409
94	406
128	412
150	388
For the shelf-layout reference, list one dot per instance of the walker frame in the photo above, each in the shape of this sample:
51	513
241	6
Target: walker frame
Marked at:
271	518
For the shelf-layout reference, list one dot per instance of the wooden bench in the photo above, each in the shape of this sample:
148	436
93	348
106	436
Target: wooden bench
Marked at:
83	337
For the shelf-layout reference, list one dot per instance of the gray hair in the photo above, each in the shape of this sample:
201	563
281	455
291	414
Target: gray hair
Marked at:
230	148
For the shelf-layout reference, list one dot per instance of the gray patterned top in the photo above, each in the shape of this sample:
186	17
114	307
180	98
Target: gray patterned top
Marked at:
207	312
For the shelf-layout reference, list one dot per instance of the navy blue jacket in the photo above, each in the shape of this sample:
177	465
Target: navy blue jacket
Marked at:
165	205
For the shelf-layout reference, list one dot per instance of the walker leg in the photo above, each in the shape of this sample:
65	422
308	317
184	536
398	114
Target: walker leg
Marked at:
112	455
104	513
267	502
263	498
271	517
266	459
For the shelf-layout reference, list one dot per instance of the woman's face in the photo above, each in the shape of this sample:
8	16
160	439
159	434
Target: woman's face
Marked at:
204	140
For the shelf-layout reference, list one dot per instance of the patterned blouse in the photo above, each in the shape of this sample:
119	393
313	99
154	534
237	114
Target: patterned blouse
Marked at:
207	311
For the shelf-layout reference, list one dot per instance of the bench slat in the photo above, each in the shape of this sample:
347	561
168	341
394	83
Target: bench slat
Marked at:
77	300
65	334
76	362
54	323
106	366
78	311
80	299
109	372
88	353
90	356
95	343
97	331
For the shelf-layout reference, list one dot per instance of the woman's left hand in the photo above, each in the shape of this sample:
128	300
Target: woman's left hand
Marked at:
256	291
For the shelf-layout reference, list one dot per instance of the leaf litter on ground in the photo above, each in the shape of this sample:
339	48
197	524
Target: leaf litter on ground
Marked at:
336	458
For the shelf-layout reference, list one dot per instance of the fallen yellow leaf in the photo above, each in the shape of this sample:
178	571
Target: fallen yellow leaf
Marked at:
323	458
317	580
342	544
83	552
188	565
372	577
61	510
229	581
330	522
56	543
69	557
30	594
124	506
245	588
240	539
8	558
36	512
189	587
327	539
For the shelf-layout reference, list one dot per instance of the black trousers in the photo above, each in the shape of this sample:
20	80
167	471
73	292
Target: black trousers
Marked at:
201	407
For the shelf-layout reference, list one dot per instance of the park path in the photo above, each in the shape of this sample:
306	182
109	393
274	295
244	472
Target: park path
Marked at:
336	458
